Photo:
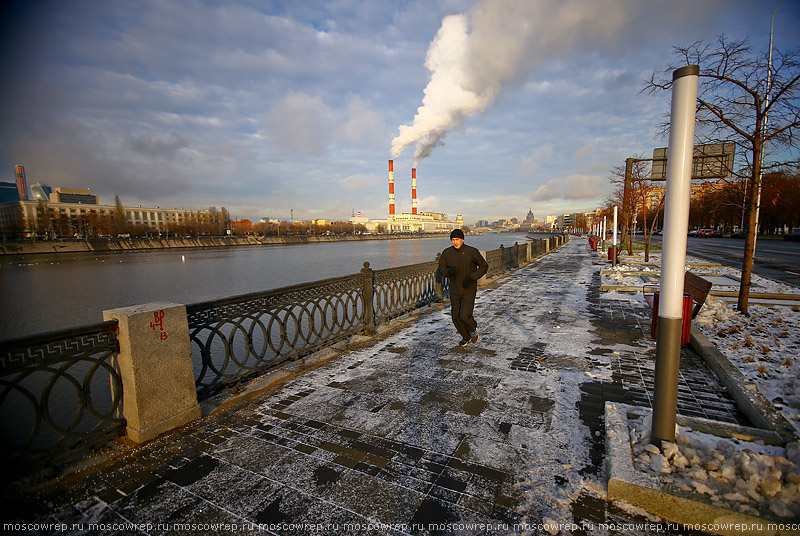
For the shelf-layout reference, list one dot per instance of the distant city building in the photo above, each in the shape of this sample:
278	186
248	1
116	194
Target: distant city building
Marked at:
81	196
242	226
22	185
8	192
530	218
358	219
41	192
24	215
482	223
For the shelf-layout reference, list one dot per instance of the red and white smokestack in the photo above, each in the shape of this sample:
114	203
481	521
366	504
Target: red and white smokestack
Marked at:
391	188
413	190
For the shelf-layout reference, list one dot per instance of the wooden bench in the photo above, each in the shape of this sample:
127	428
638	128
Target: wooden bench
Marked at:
694	286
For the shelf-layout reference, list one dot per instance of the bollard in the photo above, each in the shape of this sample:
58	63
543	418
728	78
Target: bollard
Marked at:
155	363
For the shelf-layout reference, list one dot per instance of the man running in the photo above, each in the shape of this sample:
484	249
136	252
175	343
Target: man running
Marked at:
463	265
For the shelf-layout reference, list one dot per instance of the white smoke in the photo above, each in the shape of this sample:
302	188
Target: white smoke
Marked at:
500	42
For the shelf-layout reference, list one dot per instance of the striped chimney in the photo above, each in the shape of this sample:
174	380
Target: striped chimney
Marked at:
413	190
391	188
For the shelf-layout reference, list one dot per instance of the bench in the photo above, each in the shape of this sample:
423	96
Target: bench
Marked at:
694	286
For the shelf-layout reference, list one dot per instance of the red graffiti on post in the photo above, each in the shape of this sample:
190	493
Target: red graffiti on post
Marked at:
159	323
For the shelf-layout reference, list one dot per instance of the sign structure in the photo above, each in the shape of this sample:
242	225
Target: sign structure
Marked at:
711	161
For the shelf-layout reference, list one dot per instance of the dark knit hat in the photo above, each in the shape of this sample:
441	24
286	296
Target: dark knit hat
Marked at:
457	233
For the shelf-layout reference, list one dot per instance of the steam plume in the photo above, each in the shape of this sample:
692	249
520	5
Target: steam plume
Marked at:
499	42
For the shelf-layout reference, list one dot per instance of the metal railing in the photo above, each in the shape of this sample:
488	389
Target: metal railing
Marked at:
397	291
60	395
238	338
61	392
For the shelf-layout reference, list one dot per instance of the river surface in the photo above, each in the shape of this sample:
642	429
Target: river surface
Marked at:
41	293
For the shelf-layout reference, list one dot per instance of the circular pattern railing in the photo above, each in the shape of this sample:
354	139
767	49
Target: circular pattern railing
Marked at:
60	394
400	290
238	338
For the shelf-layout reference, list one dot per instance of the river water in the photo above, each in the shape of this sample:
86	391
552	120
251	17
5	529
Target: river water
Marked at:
44	293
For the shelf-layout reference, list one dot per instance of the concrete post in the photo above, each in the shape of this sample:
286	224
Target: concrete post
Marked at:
482	281
155	364
368	289
673	257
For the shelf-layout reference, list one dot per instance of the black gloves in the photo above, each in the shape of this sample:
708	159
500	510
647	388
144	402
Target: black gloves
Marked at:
467	282
451	271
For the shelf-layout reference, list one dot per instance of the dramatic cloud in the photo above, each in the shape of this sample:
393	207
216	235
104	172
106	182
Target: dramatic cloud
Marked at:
262	107
495	43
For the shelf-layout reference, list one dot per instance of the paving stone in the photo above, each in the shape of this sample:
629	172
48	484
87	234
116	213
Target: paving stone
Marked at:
414	432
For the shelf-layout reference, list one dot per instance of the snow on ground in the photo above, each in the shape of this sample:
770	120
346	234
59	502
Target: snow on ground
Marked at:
747	477
764	346
558	321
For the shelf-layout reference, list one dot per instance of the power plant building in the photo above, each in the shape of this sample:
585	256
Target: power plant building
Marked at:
425	222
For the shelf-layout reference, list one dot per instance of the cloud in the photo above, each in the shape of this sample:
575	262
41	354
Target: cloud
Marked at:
300	123
585	152
158	146
533	160
428	204
359	181
573	187
363	125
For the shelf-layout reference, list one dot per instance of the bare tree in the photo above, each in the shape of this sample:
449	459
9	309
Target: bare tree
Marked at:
636	173
739	90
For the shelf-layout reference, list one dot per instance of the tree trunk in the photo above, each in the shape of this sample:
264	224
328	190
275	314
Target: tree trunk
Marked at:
752	230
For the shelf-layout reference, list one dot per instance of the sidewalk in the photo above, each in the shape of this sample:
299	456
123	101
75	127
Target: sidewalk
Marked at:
413	435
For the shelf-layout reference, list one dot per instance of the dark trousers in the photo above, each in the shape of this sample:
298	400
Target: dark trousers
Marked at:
461	306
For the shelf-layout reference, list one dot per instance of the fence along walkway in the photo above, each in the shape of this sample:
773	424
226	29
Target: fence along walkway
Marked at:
55	401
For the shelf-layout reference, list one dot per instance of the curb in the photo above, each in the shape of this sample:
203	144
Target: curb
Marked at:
626	483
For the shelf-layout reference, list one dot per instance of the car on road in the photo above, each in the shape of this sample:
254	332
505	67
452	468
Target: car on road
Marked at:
793	235
710	233
737	234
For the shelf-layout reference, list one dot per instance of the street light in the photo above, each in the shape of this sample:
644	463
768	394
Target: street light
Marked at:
764	127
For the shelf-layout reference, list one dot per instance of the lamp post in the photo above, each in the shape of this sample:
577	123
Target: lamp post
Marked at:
673	259
764	124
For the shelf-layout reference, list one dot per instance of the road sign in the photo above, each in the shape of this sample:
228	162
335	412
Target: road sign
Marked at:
711	161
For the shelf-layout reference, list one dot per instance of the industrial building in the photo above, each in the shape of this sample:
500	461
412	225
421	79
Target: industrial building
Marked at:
414	222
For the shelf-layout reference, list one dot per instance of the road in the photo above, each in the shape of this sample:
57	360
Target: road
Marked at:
775	259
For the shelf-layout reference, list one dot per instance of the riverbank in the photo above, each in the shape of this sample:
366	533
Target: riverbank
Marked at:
148	244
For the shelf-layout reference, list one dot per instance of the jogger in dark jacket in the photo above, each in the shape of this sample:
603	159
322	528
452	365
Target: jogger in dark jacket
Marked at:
463	265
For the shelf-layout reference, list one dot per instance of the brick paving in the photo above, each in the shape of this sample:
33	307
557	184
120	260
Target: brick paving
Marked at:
412	435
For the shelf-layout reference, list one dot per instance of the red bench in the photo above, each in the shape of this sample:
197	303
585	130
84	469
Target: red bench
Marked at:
695	292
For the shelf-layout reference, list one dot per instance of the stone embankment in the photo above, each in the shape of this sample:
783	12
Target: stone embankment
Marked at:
146	244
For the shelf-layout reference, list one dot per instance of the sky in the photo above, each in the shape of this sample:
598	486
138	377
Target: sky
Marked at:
281	108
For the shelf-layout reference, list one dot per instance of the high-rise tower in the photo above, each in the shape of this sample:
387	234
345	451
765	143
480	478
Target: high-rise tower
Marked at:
22	186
